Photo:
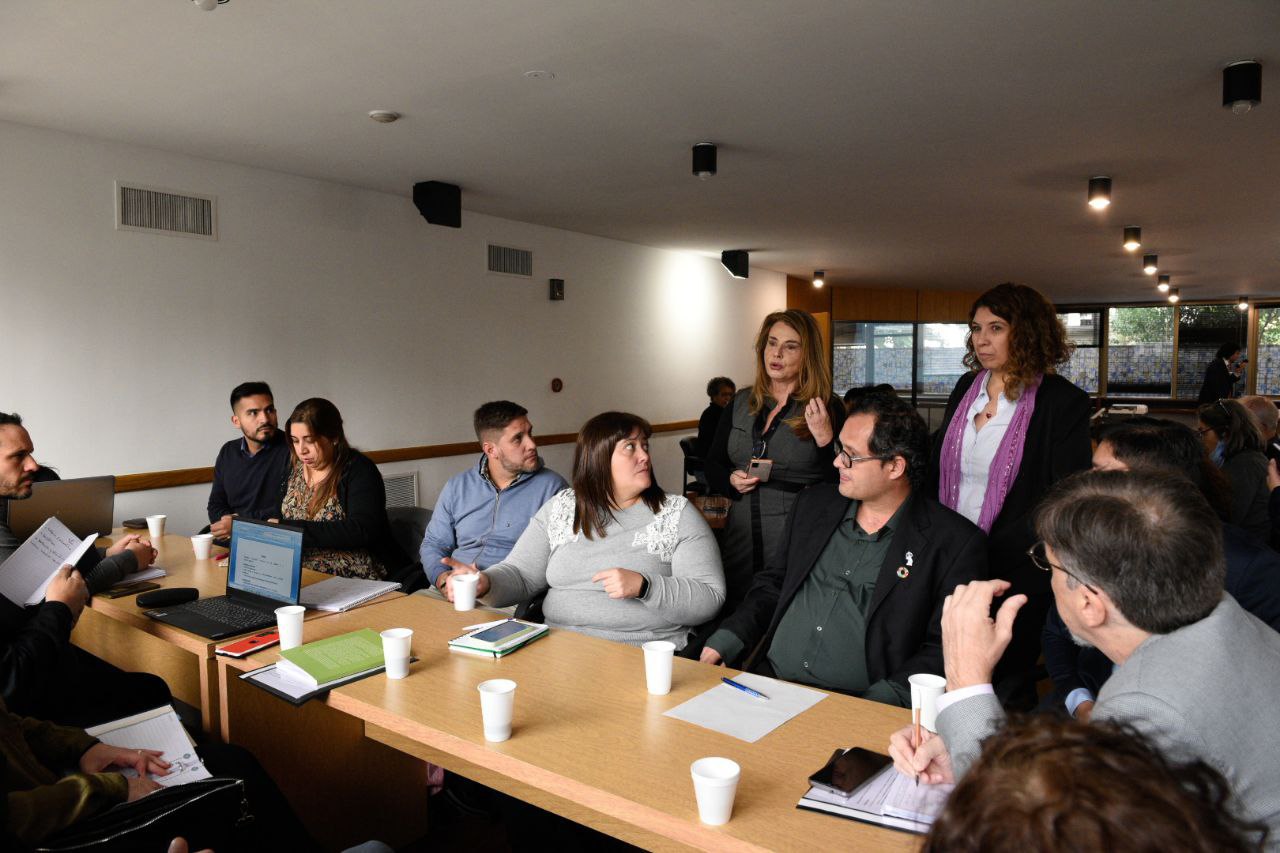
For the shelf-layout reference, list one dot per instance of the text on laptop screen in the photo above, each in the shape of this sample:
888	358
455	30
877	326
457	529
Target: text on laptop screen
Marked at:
264	561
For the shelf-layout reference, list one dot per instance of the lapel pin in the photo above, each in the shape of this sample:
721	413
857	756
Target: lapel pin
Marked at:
910	558
902	572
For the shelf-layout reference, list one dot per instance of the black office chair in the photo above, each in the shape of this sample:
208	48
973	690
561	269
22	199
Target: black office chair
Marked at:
694	469
408	526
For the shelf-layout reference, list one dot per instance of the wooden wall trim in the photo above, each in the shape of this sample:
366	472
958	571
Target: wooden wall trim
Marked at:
196	476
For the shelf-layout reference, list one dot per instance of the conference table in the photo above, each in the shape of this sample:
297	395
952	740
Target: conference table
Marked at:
589	742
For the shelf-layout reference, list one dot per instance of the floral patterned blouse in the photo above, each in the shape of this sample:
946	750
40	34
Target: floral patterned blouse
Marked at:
357	563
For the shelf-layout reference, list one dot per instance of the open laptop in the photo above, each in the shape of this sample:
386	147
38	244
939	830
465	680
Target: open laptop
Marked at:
84	505
263	573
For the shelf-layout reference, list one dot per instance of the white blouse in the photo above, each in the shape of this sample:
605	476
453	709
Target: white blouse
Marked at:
977	450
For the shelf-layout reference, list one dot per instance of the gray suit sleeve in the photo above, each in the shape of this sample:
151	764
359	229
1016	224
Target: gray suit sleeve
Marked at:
965	725
523	574
695	590
1159	721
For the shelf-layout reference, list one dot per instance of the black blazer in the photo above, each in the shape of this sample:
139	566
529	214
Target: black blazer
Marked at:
904	628
1057	445
1218	382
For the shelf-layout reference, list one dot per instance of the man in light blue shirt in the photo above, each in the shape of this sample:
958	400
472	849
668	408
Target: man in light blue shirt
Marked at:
483	510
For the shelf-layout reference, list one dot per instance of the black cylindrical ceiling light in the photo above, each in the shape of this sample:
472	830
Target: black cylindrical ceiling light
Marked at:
1242	304
1242	86
819	278
704	160
1132	238
1099	192
1163	284
1173	296
1149	265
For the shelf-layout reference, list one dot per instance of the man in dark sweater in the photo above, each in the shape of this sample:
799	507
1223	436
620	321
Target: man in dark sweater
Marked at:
249	470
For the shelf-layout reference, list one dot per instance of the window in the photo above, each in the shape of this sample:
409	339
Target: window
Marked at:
1201	330
1268	366
1140	352
871	354
1084	329
940	358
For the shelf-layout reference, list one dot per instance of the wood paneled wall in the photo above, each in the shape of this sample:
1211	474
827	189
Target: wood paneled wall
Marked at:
881	304
803	295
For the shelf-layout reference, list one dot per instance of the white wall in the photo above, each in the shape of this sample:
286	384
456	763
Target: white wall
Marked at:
121	347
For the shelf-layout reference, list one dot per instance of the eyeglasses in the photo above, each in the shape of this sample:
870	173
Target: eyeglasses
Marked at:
847	461
760	449
1204	430
1040	557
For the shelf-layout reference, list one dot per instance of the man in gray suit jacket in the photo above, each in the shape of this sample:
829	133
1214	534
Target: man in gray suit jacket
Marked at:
1137	571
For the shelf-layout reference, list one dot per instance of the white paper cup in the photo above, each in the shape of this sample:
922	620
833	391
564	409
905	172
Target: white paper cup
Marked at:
395	651
155	526
497	702
925	690
289	623
658	656
464	589
202	544
715	783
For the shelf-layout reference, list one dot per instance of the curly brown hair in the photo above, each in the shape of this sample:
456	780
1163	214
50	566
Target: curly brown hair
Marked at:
1038	341
1051	783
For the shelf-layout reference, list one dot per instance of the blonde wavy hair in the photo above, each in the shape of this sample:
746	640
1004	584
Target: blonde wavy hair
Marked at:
815	371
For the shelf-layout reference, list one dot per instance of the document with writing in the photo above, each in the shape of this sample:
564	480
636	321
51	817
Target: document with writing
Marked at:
26	574
159	729
888	798
732	712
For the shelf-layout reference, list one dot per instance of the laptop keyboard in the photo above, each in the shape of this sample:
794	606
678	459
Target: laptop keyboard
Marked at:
226	611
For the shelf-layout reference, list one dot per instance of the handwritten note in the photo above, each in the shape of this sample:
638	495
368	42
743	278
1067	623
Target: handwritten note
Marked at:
26	574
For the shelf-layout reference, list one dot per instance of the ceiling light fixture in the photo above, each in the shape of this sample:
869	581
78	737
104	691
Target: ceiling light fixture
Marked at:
208	5
819	278
1132	237
1242	86
1163	285
704	160
1173	296
1099	192
1149	264
737	262
540	75
384	116
1243	304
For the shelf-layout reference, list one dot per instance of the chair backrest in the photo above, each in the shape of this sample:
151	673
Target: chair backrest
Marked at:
408	526
688	444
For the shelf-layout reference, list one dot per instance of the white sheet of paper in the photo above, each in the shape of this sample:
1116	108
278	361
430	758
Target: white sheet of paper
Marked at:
149	573
729	711
272	677
26	574
156	729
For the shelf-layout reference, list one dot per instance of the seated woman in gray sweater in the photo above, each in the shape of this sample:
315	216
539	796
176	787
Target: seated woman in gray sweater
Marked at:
617	557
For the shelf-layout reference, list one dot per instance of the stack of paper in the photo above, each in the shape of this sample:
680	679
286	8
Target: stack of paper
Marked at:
888	798
156	729
29	569
498	639
340	594
334	659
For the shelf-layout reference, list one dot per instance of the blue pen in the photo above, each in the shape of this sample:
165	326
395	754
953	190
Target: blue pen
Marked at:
745	689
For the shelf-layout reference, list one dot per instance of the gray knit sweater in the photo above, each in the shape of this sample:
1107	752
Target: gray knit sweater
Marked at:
674	549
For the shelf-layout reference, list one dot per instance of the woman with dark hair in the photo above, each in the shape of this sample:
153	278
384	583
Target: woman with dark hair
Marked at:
1013	429
1234	441
617	557
1049	784
720	391
1221	374
774	439
335	494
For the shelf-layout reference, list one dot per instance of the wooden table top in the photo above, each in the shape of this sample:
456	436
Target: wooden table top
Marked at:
586	729
177	558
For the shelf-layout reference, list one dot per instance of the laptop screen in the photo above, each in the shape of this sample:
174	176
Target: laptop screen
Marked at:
266	560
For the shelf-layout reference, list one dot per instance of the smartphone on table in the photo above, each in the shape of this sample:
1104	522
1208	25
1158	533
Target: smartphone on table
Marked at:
847	769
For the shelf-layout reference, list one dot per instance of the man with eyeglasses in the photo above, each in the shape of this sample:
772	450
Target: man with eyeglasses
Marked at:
852	599
1137	571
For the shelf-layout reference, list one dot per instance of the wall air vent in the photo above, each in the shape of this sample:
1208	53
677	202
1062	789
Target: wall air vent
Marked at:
402	489
507	261
157	211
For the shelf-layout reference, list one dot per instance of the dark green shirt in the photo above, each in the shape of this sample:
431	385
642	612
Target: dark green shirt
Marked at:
821	639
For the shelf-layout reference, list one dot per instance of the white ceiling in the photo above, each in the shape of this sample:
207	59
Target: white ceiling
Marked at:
900	143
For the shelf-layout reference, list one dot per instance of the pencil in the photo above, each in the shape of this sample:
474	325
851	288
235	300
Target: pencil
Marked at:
915	721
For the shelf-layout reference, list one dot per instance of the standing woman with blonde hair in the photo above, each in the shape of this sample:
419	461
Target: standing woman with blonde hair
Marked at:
786	423
1013	429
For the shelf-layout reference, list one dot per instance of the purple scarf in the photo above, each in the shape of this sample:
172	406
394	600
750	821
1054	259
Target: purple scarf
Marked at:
1005	464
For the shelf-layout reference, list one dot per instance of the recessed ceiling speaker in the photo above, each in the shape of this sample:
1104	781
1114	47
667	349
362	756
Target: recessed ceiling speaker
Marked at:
439	203
704	160
736	261
1242	86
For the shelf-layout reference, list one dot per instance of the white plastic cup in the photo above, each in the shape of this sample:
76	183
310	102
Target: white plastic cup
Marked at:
925	690
289	624
497	704
464	589
155	526
658	655
202	544
395	651
715	784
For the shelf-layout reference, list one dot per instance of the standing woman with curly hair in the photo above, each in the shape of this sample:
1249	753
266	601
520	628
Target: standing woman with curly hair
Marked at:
1013	429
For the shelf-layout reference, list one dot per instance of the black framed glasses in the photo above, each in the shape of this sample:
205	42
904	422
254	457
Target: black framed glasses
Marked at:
1040	557
847	461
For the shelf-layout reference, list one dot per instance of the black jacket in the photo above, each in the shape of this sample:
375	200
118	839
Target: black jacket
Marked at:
364	500
904	630
1218	382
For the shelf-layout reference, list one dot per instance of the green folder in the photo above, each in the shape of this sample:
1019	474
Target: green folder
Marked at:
338	657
